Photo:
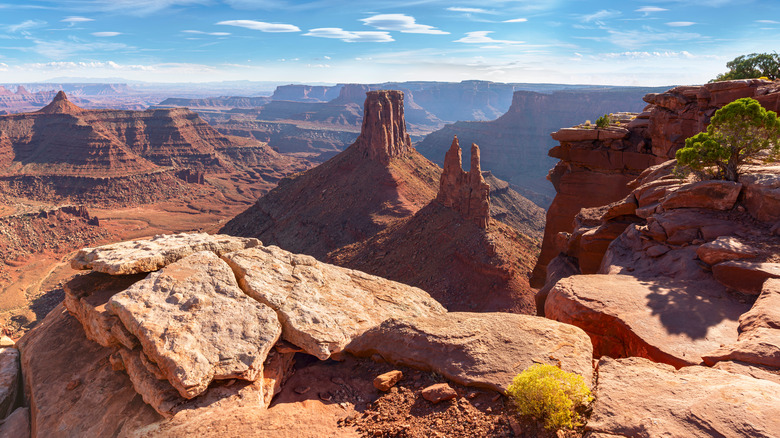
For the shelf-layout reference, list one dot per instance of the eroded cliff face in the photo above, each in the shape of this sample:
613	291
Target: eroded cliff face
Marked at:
596	165
465	192
383	135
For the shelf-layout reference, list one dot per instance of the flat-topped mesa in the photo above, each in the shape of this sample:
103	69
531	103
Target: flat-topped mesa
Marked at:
465	192
383	135
60	105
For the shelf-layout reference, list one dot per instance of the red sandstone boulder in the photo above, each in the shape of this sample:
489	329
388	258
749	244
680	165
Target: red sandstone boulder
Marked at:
724	249
745	276
10	377
715	195
438	393
762	194
665	320
638	398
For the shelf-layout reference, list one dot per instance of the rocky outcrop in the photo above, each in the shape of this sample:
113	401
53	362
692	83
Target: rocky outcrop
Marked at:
478	349
10	379
346	303
596	164
465	192
132	257
664	320
383	135
638	398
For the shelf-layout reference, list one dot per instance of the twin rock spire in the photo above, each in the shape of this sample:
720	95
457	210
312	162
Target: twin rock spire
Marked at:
465	192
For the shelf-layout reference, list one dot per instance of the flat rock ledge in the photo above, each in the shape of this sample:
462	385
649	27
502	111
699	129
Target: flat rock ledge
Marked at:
478	349
323	307
639	398
669	321
132	257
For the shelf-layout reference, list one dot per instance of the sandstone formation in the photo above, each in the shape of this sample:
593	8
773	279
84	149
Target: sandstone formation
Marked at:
478	349
661	319
384	382
638	398
594	169
383	135
132	257
9	380
17	424
465	192
438	393
322	307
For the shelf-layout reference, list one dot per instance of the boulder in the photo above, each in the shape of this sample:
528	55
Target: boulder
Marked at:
575	134
723	249
478	349
747	369
760	346
194	322
10	377
765	312
662	319
132	257
438	393
17	425
323	307
384	382
762	194
745	276
639	398
714	195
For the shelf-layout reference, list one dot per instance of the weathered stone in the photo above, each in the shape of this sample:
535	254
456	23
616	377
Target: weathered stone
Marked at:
465	192
196	324
137	256
759	346
662	319
686	225
323	307
638	398
17	425
10	376
383	134
723	249
575	134
762	194
86	297
438	393
6	342
752	370
745	276
478	349
56	352
714	195
384	382
765	312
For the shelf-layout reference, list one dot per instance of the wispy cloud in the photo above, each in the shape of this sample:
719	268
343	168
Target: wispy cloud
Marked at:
649	9
481	37
600	16
350	36
768	21
680	23
133	7
24	26
261	25
257	4
65	49
516	20
648	55
106	34
646	36
73	20
400	22
200	32
470	10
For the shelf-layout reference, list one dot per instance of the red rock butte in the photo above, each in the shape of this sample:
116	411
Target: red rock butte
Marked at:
383	134
465	192
60	105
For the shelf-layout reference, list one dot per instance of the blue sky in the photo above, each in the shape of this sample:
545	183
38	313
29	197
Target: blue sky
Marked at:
660	42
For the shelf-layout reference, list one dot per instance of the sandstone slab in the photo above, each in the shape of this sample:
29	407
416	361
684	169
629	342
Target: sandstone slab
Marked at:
751	370
745	276
132	257
639	398
723	249
10	377
714	195
478	349
762	194
194	322
323	307
662	319
765	312
759	346
16	425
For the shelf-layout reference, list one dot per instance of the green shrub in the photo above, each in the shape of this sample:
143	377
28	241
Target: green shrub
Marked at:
550	394
603	121
738	132
754	65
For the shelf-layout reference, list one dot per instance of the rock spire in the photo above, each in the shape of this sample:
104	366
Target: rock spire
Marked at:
60	105
465	192
383	135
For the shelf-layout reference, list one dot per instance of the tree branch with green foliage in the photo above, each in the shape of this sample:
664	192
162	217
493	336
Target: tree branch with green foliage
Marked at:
754	65
738	133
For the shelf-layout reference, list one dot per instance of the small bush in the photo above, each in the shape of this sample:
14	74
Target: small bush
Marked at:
550	394
603	121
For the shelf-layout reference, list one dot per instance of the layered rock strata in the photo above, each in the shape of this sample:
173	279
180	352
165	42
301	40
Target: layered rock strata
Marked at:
465	192
383	134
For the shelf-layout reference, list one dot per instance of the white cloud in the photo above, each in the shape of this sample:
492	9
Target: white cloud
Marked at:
3	67
516	20
400	22
470	10
680	23
256	4
481	37
106	34
648	55
600	16
768	21
134	7
200	32
66	49
261	25
24	26
73	20
638	38
350	36
648	9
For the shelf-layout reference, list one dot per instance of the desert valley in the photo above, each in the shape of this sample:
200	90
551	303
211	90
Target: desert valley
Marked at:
386	258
